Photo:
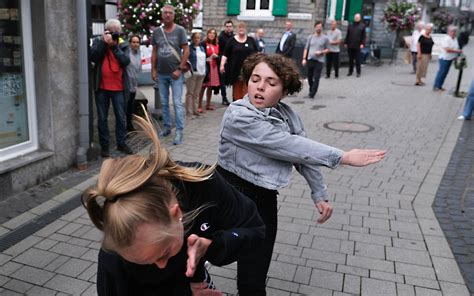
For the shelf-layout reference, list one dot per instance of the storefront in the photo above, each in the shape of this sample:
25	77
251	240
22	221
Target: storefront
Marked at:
18	134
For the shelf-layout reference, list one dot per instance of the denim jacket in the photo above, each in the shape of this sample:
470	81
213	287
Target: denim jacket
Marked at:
262	145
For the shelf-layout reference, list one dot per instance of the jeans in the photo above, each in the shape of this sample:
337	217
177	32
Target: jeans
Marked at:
314	73
414	59
164	83
443	70
102	103
223	86
354	55
469	105
332	58
130	108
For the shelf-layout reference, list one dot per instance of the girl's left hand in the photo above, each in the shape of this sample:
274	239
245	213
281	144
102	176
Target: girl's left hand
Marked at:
201	289
197	248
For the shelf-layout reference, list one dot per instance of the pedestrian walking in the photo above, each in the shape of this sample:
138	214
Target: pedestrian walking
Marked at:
224	36
167	65
287	41
133	70
197	58
449	51
317	46
332	57
424	46
237	50
259	40
108	52
469	104
354	42
415	36
161	220
260	168
212	79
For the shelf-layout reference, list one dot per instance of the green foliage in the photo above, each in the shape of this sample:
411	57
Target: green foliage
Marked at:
400	16
142	16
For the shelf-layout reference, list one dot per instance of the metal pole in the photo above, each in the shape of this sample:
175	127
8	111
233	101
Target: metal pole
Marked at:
458	84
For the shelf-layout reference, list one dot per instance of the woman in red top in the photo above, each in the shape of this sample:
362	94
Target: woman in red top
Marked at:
212	78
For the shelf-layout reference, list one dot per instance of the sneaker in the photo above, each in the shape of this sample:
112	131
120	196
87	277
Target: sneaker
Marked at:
125	149
164	133
461	117
358	75
178	139
436	89
225	102
349	74
104	152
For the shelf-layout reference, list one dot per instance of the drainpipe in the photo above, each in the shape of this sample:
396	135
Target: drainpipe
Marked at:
83	83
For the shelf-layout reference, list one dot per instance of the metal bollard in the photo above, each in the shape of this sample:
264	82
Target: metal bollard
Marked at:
460	63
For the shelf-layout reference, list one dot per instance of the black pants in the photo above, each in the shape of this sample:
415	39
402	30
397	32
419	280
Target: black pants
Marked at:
314	73
332	58
130	109
223	86
414	58
252	270
354	55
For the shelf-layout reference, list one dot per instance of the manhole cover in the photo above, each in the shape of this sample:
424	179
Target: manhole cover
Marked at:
317	107
297	102
352	127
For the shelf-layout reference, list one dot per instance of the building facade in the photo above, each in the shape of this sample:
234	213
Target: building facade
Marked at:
39	110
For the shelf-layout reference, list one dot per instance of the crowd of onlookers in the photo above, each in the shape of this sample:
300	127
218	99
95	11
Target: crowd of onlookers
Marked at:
211	62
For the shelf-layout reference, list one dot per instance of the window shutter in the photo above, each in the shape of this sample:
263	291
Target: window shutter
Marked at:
233	7
280	8
339	6
352	7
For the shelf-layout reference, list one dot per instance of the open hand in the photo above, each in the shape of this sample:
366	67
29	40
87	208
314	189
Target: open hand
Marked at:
362	157
201	289
197	248
325	209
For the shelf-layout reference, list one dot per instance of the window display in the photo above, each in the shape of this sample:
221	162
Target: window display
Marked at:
13	101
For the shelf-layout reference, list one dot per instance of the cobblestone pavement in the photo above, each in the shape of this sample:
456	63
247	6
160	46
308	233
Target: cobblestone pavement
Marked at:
383	238
454	203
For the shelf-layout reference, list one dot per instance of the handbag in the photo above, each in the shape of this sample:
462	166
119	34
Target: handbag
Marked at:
187	70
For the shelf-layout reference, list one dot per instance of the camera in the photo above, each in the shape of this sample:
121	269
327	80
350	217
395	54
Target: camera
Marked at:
115	35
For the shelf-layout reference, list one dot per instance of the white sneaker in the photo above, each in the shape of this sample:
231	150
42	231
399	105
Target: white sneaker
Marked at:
461	117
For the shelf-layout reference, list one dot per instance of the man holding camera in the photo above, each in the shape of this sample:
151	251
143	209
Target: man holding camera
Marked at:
111	58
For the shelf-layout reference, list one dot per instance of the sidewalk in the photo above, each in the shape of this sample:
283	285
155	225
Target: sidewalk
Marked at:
383	239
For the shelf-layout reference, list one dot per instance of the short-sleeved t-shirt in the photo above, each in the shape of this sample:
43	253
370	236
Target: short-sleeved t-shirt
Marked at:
334	35
426	44
167	61
316	43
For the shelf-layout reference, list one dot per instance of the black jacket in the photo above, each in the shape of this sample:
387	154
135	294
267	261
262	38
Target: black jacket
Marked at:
355	35
288	46
121	53
223	40
233	224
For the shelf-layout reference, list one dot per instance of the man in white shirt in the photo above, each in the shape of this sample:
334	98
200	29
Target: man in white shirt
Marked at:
449	51
414	42
332	57
287	41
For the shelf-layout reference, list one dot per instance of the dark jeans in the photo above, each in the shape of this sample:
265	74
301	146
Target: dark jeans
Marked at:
414	59
223	86
354	55
332	58
102	102
252	270
314	73
130	109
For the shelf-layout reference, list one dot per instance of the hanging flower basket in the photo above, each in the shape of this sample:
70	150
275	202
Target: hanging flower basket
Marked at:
142	16
400	16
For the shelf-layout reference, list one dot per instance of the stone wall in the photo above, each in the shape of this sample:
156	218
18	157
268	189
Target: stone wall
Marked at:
55	73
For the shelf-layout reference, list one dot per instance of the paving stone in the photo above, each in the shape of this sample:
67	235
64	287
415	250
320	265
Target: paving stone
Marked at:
45	244
370	239
451	289
9	293
287	237
325	256
36	258
353	270
310	290
369	250
22	246
376	287
447	270
347	247
305	240
405	227
296	213
302	275
9	268
40	291
4	258
73	267
89	273
17	286
376	223
352	284
319	232
409	244
427	292
408	256
283	271
51	228
415	270
281	285
321	265
91	291
67	285
327	244
19	220
405	290
69	250
415	281
326	279
288	250
370	263
392	277
32	275
58	262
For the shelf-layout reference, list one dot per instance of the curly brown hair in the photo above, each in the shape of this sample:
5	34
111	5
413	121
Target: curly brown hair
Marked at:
283	67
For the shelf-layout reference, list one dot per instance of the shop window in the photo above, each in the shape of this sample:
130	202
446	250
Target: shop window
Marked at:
257	9
18	133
